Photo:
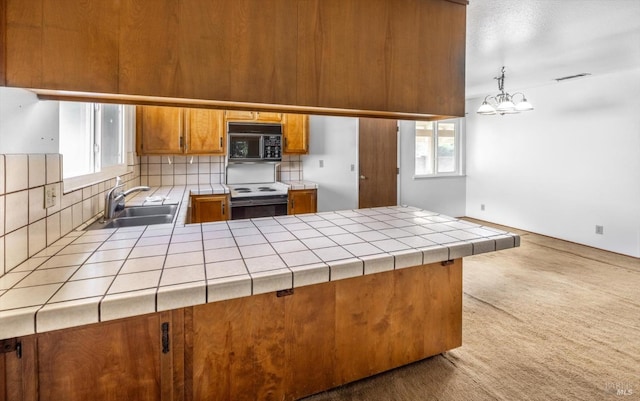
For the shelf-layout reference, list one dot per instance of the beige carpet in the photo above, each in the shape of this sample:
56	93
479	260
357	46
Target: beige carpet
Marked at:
550	320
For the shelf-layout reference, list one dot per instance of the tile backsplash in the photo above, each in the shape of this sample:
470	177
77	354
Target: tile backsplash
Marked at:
171	170
198	170
26	226
291	168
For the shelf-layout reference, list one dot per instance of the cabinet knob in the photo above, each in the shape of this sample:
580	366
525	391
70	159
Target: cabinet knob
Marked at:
362	177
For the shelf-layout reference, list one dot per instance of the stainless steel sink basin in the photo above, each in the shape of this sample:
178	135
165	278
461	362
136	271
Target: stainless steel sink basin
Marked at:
139	216
134	211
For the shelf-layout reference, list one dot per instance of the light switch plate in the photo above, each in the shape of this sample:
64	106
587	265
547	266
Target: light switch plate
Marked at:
50	197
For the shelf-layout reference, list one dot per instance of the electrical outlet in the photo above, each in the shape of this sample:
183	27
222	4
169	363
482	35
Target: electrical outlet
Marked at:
600	230
321	163
353	167
49	196
482	207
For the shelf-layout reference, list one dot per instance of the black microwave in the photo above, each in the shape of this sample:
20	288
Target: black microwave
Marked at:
254	142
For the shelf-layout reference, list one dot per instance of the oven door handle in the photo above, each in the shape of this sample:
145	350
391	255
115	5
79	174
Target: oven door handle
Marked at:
245	203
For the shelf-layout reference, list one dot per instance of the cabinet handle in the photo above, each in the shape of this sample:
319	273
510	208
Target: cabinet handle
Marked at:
221	142
223	208
11	345
165	338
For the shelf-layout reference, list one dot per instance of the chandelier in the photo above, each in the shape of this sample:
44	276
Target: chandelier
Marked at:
503	102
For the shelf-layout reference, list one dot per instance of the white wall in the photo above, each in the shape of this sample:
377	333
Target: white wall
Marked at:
444	195
560	170
334	140
27	125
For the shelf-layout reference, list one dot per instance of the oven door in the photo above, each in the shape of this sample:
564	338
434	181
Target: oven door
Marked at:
267	206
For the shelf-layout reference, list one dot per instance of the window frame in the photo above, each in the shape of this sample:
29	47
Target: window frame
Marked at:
459	171
107	173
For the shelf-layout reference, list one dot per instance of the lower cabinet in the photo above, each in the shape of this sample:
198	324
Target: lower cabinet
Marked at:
129	359
303	201
235	349
274	346
269	347
207	208
18	369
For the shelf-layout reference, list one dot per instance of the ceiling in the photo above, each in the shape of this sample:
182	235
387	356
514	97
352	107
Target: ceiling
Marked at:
539	40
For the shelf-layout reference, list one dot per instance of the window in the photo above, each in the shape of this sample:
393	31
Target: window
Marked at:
92	141
437	148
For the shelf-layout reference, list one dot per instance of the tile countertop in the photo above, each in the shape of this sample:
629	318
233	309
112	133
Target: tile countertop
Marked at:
92	276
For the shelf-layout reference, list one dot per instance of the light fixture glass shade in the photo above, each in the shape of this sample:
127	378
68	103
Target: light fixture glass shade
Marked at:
486	109
506	106
524	106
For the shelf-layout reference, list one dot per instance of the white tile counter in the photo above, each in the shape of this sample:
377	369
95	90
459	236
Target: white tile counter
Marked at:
92	276
296	185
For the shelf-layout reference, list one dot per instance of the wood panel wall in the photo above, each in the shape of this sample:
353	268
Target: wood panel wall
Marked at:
397	56
3	42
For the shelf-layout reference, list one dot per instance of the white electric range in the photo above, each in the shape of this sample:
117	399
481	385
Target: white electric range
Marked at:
254	190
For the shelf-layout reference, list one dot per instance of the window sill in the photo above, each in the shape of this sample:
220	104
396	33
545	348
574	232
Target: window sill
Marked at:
436	176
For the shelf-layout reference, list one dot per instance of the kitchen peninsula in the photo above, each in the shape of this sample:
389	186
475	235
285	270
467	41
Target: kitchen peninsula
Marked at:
270	308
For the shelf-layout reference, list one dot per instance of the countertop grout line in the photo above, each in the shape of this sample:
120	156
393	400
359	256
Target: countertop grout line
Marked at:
47	302
106	293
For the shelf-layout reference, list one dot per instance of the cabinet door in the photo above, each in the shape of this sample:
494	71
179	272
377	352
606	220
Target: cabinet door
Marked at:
18	369
266	116
234	350
205	131
234	115
128	359
207	208
296	134
159	130
61	45
302	201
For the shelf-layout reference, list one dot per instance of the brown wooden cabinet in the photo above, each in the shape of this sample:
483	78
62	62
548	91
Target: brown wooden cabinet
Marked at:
175	130
236	349
138	358
302	201
159	130
257	116
296	134
208	208
18	369
205	131
315	53
269	347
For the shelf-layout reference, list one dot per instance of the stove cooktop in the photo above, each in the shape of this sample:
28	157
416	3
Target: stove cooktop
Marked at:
254	190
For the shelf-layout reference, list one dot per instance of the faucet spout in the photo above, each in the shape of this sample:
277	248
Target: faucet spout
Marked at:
135	189
114	198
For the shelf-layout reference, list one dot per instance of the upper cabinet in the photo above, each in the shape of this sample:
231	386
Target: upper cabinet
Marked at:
257	116
315	56
205	131
159	130
175	130
295	134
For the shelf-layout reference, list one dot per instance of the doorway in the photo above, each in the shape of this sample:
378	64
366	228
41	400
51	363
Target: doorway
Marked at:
378	158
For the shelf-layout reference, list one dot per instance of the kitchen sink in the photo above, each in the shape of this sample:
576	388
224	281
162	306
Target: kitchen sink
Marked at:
135	211
139	216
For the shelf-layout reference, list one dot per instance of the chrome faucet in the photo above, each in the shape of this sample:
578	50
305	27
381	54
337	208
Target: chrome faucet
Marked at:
114	198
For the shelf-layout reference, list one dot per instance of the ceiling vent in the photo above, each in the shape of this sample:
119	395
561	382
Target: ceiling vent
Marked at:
568	77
